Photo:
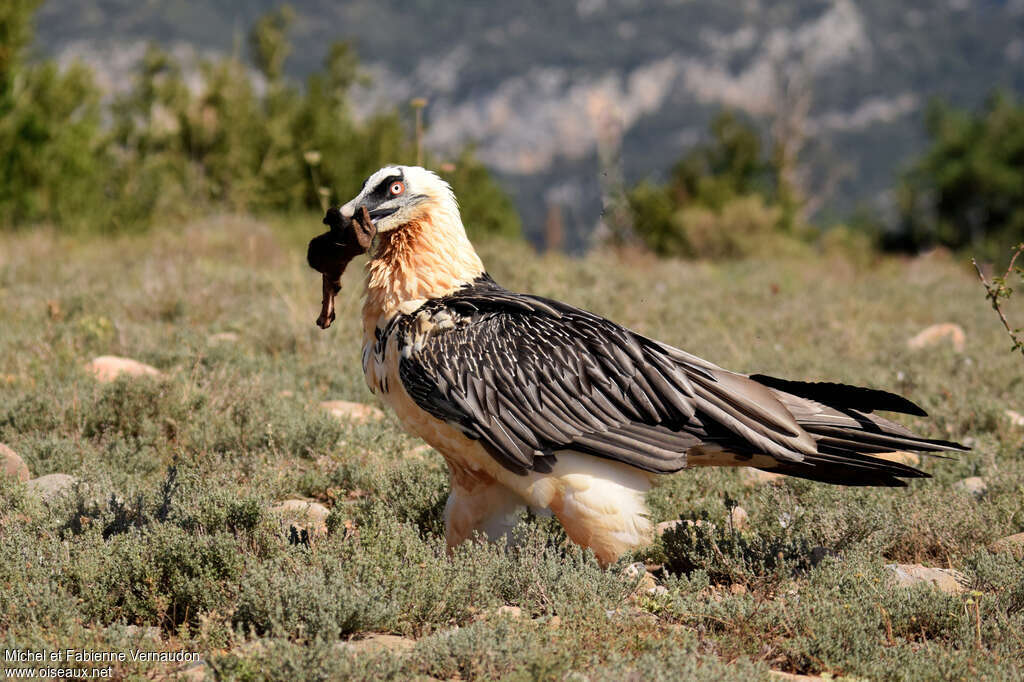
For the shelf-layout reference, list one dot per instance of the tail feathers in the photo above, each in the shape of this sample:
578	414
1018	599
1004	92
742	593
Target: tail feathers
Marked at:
852	397
849	470
838	417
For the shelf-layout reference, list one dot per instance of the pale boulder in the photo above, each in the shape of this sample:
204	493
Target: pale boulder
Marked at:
1011	544
739	518
51	486
377	643
753	477
900	457
107	368
974	485
13	466
1016	418
304	514
356	413
943	579
932	335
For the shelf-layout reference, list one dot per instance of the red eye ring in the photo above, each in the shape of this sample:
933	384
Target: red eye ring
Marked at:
396	188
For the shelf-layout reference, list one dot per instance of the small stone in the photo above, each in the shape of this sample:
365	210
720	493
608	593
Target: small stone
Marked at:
739	517
666	526
900	457
1016	418
311	516
943	579
51	486
1011	544
419	452
975	485
286	394
13	466
107	368
637	573
142	631
737	588
510	611
753	477
656	591
195	672
554	621
779	674
377	643
222	338
929	336
357	413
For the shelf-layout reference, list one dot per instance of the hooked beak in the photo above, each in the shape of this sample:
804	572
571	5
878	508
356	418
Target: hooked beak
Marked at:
379	213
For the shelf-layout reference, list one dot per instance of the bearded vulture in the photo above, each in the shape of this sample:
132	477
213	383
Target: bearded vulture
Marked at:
535	402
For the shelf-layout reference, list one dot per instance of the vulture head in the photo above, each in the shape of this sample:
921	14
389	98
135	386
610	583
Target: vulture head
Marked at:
398	195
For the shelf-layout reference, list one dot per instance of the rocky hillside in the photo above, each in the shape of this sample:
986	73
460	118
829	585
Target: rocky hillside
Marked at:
547	89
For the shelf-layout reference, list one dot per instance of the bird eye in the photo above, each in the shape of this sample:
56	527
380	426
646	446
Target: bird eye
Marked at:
396	188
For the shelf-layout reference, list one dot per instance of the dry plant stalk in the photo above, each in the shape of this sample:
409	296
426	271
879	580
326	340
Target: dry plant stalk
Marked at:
996	291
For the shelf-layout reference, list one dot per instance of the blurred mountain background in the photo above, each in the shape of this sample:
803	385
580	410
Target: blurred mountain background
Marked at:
543	89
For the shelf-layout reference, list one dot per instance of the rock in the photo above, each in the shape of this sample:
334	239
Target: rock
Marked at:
554	621
737	588
753	477
13	466
419	452
943	579
900	457
51	486
377	643
793	676
142	631
222	338
1016	418
303	514
107	368
666	526
510	611
196	672
738	517
1011	544
975	485
357	413
932	335
637	573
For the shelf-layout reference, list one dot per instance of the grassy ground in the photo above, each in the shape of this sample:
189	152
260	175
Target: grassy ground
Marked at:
167	543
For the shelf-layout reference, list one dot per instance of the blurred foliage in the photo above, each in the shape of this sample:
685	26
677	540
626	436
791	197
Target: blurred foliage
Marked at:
968	187
485	207
241	140
721	200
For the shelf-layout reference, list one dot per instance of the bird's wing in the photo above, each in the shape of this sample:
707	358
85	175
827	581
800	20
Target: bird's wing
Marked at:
528	376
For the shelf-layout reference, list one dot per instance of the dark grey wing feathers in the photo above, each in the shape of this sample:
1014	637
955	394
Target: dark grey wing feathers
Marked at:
527	377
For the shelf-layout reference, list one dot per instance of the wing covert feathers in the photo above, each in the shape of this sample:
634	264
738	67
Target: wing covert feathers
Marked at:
528	376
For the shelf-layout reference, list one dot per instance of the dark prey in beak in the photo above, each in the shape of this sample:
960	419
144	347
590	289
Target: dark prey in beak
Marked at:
331	252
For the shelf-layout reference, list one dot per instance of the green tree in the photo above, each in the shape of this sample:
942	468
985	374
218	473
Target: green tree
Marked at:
718	201
169	151
50	142
485	208
968	187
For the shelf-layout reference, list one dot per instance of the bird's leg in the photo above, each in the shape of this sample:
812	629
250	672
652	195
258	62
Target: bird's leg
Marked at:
485	507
